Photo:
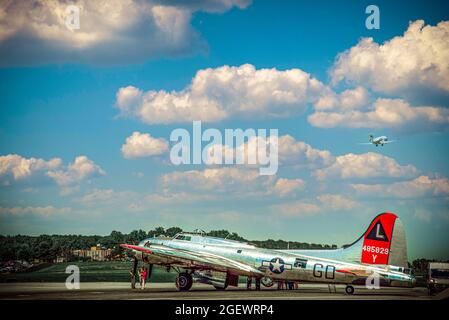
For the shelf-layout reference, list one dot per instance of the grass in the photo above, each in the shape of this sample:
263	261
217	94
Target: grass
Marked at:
93	271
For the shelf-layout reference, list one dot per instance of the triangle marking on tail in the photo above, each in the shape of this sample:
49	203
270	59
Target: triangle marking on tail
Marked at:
377	233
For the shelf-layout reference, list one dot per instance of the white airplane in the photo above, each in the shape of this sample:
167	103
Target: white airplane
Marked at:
378	140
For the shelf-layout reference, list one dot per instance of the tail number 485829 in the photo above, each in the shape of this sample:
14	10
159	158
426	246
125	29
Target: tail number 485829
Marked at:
374	249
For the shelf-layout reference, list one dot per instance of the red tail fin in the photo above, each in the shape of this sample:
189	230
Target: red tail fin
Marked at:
377	239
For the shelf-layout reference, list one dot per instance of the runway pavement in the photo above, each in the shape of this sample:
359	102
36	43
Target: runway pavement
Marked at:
118	290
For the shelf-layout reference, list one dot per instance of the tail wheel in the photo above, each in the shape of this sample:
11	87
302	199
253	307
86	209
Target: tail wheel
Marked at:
184	281
349	290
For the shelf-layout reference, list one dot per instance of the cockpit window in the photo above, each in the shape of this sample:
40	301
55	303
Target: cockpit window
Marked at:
183	237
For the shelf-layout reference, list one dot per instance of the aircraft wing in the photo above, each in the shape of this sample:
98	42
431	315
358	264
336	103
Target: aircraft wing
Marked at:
365	143
196	260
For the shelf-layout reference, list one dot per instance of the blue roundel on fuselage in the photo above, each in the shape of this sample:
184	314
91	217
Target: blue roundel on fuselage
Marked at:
277	265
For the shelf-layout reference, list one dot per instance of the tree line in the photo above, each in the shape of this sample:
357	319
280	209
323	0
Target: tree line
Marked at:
48	247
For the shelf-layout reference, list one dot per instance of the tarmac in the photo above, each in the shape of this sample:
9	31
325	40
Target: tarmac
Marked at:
168	291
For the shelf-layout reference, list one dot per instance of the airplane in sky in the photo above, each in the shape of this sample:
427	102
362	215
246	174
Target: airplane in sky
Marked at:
381	251
378	140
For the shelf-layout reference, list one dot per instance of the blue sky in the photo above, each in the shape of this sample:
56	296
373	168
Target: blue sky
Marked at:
61	99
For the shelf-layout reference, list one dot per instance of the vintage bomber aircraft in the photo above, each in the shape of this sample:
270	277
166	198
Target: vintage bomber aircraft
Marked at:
380	251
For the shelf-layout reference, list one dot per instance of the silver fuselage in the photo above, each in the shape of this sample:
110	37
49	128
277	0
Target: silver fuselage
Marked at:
280	265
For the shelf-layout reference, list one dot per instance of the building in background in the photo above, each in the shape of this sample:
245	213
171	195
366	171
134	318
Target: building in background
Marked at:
95	253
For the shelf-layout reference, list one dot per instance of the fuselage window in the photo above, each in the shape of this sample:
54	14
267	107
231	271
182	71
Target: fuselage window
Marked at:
300	263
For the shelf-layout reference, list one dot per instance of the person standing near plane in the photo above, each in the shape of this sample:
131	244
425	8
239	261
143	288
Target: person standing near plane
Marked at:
258	284
143	277
140	276
249	281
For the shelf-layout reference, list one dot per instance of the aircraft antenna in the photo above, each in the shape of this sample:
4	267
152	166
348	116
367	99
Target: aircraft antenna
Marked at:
199	231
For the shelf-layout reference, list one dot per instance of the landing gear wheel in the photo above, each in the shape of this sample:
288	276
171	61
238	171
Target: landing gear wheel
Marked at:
349	290
184	281
267	282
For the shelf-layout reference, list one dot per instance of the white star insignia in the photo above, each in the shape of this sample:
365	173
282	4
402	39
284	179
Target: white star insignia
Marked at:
276	265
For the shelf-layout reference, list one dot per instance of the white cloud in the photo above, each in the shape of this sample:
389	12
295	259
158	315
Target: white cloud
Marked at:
114	31
143	145
322	203
366	165
420	187
336	202
296	209
418	59
40	211
241	182
18	167
14	167
350	99
217	6
293	152
284	187
290	152
217	94
99	195
385	113
82	168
